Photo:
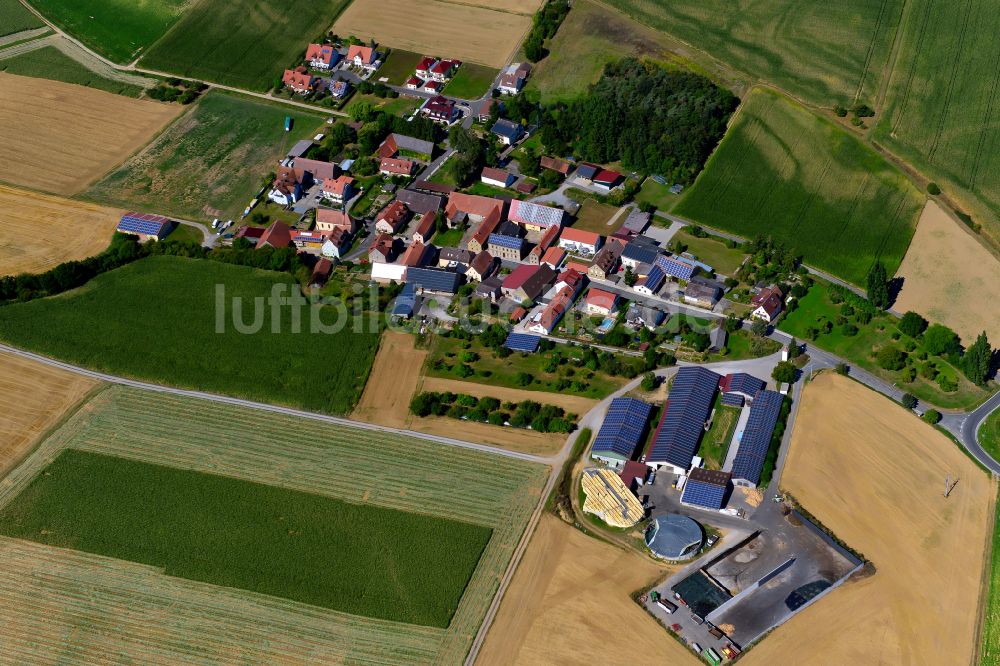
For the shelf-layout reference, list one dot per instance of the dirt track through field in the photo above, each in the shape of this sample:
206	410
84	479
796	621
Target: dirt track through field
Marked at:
35	230
59	137
463	31
569	604
33	397
950	278
875	474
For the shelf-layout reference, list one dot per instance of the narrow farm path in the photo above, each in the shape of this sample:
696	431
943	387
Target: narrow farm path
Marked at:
23	35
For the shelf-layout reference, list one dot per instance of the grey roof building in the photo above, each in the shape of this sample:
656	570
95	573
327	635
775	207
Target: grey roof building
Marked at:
419	202
433	279
640	250
674	537
688	405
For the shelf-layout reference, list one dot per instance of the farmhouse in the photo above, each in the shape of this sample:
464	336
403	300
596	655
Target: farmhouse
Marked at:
639	250
439	109
419	202
338	190
534	217
582	242
383	249
605	262
414	255
554	257
395	144
607	498
322	56
489	289
363	56
390	166
600	302
497	177
570	279
527	283
548	238
288	185
299	80
767	304
513	78
278	235
641	315
145	226
451	257
392	218
317	169
337	240
481	268
684	416
706	489
328	219
546	321
507	131
424	229
506	247
702	295
652	282
674	537
621	432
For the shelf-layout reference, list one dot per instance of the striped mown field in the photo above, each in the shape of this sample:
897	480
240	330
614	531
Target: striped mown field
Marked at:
47	593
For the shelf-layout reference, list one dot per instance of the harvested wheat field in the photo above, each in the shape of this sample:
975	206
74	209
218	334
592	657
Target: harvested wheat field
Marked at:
59	137
33	398
527	7
571	403
874	474
949	277
511	439
34	228
450	30
569	603
392	381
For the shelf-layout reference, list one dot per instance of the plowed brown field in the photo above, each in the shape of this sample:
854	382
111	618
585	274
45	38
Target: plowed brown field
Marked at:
59	137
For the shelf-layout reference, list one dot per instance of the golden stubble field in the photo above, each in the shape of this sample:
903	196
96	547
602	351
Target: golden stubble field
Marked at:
569	603
450	30
39	231
33	398
950	278
58	137
875	475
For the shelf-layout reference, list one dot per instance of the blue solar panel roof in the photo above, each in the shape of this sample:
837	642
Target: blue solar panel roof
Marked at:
732	399
623	427
654	279
683	421
142	223
677	267
756	438
512	242
741	382
405	301
522	342
433	279
699	493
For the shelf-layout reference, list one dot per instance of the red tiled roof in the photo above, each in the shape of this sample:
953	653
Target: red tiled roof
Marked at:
388	147
472	204
297	80
277	235
333	217
499	175
519	276
607	176
322	52
367	53
396	166
337	185
580	236
424	226
393	214
764	294
425	63
414	254
482	262
555	164
601	298
554	256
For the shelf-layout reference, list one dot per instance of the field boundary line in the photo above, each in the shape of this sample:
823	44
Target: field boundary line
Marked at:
492	9
261	406
986	586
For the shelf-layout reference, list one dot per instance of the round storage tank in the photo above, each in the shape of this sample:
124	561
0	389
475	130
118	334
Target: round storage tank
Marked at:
674	537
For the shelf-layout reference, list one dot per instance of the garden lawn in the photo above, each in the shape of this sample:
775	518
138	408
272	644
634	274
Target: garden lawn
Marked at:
50	63
156	320
715	442
713	252
825	52
118	30
398	67
241	43
594	216
449	238
397	106
210	162
785	172
356	558
472	81
816	307
14	17
657	195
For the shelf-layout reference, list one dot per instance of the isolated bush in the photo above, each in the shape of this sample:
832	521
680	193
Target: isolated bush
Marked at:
909	401
932	416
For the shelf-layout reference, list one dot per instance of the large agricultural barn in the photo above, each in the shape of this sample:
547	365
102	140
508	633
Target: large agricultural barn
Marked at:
684	416
621	431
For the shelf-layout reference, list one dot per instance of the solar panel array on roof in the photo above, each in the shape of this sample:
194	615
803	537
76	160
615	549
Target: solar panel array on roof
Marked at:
757	434
741	382
676	267
654	279
433	279
732	399
522	342
142	223
623	427
683	421
704	494
405	302
512	242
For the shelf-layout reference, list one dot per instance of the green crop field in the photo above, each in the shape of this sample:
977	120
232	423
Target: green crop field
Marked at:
15	18
990	655
297	483
50	63
117	30
287	543
472	81
242	43
824	52
155	319
208	163
785	172
941	105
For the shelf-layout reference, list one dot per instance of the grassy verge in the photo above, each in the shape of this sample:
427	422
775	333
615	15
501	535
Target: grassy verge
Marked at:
251	536
989	435
50	63
156	319
990	655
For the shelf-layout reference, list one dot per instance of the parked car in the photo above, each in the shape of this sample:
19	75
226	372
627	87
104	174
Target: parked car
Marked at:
712	540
